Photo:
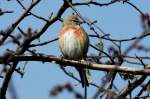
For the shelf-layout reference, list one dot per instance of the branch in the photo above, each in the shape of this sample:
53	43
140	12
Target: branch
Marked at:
134	7
19	2
22	48
133	85
85	64
44	43
143	89
95	3
4	12
13	26
125	40
51	21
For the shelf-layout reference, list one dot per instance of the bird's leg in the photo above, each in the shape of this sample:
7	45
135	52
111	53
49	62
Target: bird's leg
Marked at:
82	61
62	58
85	62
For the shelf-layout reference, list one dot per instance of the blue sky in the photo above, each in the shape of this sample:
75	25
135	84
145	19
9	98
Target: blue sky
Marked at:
120	20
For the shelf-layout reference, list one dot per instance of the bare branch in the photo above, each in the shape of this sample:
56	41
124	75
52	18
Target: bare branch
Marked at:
44	43
96	3
85	64
14	25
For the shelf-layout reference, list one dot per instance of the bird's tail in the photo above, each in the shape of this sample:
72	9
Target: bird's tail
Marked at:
84	80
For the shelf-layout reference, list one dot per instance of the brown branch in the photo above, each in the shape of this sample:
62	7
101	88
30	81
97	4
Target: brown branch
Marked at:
51	21
75	78
85	64
128	49
12	68
39	17
125	57
122	40
15	59
89	23
133	85
14	25
133	57
96	3
22	48
134	7
143	89
136	82
4	12
111	59
44	43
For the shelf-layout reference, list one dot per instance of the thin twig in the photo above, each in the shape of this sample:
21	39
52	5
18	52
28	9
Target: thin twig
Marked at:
44	43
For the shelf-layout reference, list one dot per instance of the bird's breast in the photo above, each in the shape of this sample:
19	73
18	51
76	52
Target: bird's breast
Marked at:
71	44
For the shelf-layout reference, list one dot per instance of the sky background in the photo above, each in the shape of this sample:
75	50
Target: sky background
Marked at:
120	20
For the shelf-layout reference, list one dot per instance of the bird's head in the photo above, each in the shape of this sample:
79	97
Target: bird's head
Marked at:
71	20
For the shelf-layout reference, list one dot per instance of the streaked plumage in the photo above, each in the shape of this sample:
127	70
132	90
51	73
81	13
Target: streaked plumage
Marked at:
74	42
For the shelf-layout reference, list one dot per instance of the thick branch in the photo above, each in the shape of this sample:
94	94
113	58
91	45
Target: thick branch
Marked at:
85	64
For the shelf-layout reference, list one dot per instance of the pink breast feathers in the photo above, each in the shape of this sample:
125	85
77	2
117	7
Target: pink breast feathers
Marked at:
64	30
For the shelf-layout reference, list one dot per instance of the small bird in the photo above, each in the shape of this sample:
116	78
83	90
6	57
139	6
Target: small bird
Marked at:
74	43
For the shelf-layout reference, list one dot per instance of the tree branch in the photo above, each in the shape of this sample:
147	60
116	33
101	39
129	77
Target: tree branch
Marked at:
13	26
85	64
22	48
133	85
96	3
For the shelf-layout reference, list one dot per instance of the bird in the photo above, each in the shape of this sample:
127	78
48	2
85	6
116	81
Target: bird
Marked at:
74	43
